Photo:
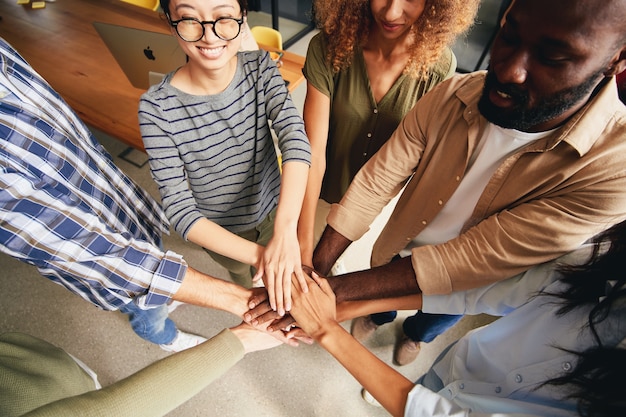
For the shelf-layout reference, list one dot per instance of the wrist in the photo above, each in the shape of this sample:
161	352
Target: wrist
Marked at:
285	224
328	334
236	300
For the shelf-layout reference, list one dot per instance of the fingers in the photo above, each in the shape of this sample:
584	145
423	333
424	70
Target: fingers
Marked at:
258	297
286	287
261	314
271	288
301	280
282	323
258	275
287	339
299	334
279	288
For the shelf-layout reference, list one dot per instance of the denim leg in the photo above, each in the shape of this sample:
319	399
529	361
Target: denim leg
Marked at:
424	327
152	325
381	318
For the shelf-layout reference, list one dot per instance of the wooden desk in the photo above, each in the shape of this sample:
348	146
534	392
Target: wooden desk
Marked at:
60	42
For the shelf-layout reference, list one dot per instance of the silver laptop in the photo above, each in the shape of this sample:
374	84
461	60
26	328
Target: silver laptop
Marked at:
144	56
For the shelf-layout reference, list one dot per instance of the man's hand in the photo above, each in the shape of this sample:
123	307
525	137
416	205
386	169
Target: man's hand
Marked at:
330	246
261	313
262	316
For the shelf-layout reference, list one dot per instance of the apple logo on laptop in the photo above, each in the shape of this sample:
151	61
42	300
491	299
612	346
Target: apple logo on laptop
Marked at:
149	53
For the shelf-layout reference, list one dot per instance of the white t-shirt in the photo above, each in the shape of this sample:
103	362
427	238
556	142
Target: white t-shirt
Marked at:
494	147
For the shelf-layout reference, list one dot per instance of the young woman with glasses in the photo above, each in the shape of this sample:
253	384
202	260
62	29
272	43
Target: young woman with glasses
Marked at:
206	129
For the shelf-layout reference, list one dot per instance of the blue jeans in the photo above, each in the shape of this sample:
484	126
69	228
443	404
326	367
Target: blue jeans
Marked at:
421	327
152	325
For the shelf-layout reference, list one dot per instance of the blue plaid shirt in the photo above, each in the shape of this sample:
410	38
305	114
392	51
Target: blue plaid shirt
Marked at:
67	209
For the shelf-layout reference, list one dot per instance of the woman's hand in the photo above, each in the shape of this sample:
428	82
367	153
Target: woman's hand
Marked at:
280	263
255	339
315	311
281	258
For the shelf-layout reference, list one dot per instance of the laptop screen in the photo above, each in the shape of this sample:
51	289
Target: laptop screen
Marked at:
144	56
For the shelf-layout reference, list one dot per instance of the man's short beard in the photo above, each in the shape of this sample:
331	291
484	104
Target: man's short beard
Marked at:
523	118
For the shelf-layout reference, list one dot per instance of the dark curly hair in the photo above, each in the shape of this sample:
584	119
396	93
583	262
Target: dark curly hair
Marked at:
346	25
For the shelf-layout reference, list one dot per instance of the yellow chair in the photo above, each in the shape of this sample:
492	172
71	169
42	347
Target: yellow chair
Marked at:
267	36
146	4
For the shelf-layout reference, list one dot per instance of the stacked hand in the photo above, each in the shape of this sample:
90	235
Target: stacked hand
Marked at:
312	311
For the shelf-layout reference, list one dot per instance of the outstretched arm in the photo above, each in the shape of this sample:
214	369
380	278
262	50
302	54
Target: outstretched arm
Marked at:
330	247
215	238
316	315
281	258
148	392
207	291
395	279
316	119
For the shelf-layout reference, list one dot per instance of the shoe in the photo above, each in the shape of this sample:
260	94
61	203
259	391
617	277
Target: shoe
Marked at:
183	341
406	351
369	399
363	328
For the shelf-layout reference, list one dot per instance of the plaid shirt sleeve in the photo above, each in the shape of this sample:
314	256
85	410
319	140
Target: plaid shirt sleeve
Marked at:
67	209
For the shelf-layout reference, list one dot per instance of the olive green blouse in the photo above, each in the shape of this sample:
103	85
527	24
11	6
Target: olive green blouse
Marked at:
359	126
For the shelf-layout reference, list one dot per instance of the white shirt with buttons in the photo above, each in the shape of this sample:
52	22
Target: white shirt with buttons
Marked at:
498	369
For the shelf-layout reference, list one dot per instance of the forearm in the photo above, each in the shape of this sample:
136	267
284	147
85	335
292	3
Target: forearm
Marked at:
292	189
395	279
149	391
348	310
331	245
306	223
388	386
206	291
215	238
306	229
128	266
316	115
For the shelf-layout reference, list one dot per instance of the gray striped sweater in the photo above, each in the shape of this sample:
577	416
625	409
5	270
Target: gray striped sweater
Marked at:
214	156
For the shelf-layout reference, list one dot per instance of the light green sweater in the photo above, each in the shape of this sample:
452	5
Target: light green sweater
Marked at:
39	379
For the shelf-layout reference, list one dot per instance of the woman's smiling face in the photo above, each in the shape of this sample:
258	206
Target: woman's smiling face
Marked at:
209	52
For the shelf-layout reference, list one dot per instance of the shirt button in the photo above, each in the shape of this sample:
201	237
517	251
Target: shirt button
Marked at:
375	111
567	366
424	222
498	390
462	386
364	153
369	135
408	239
518	378
440	202
458	178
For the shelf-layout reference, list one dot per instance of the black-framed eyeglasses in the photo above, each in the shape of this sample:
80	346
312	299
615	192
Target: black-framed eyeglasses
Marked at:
191	29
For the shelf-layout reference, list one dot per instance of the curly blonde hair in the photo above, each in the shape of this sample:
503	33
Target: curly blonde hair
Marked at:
346	23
